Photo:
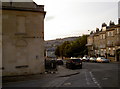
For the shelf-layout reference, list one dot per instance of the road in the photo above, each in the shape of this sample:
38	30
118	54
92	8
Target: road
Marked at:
98	75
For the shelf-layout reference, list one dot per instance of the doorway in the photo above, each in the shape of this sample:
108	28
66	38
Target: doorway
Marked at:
118	54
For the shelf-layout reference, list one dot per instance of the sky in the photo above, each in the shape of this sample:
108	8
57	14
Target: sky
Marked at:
68	18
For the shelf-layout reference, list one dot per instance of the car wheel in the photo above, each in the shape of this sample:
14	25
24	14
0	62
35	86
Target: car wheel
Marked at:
66	65
81	67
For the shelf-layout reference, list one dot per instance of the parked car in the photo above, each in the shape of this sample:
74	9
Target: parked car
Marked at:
106	60
93	59
59	62
84	59
102	59
74	63
99	59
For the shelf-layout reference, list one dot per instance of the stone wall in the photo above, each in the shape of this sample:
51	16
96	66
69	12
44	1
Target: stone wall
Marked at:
23	53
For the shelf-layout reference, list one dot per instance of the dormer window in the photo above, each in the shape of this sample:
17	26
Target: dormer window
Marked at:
103	28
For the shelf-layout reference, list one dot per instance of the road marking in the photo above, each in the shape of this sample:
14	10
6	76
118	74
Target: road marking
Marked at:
87	78
94	80
67	84
57	82
104	78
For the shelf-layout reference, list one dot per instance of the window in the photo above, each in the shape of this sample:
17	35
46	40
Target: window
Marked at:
109	50
113	51
118	30
112	33
104	51
100	36
89	41
108	42
103	36
104	29
21	24
108	33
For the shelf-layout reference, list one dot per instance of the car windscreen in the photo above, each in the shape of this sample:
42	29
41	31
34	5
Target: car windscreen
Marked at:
76	60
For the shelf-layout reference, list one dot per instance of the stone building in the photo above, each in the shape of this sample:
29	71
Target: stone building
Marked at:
102	41
110	41
0	43
117	42
22	38
96	43
105	42
90	45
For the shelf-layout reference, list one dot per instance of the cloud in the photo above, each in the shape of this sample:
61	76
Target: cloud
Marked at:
49	18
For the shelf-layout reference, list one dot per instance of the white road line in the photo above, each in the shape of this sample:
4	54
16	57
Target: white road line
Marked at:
94	80
87	79
57	82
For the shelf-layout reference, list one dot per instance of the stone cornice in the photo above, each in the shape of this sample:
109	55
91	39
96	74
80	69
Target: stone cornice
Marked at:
21	9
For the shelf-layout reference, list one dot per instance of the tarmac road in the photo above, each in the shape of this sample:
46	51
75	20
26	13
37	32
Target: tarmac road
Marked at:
93	75
100	75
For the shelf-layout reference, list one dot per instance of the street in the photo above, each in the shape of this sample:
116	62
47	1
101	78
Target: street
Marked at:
98	75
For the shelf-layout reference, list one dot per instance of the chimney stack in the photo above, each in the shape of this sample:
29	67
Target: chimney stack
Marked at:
97	30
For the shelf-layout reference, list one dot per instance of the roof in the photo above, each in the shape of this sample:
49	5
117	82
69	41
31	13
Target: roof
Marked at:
96	34
91	35
22	6
111	28
104	25
102	32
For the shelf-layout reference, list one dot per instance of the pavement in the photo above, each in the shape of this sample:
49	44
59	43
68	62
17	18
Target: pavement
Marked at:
61	72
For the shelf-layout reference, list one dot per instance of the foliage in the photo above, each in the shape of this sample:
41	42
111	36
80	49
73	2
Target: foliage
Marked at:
73	48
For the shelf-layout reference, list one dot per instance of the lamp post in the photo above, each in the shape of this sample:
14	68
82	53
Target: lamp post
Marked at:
10	2
105	55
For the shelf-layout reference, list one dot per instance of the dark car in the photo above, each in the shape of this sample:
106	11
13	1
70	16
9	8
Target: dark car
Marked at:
59	62
74	63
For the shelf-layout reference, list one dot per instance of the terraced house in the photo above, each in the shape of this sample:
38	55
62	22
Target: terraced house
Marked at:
105	42
22	38
96	42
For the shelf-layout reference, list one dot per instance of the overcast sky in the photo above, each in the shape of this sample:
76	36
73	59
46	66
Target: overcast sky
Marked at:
66	18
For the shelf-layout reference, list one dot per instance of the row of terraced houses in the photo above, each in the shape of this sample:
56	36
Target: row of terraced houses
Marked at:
105	42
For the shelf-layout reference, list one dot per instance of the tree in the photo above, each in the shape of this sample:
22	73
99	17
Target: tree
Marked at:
73	48
57	51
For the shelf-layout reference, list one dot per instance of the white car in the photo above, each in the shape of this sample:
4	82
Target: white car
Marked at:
85	59
93	59
102	59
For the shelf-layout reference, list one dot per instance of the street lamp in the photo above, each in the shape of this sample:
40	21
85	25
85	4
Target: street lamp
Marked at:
10	2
